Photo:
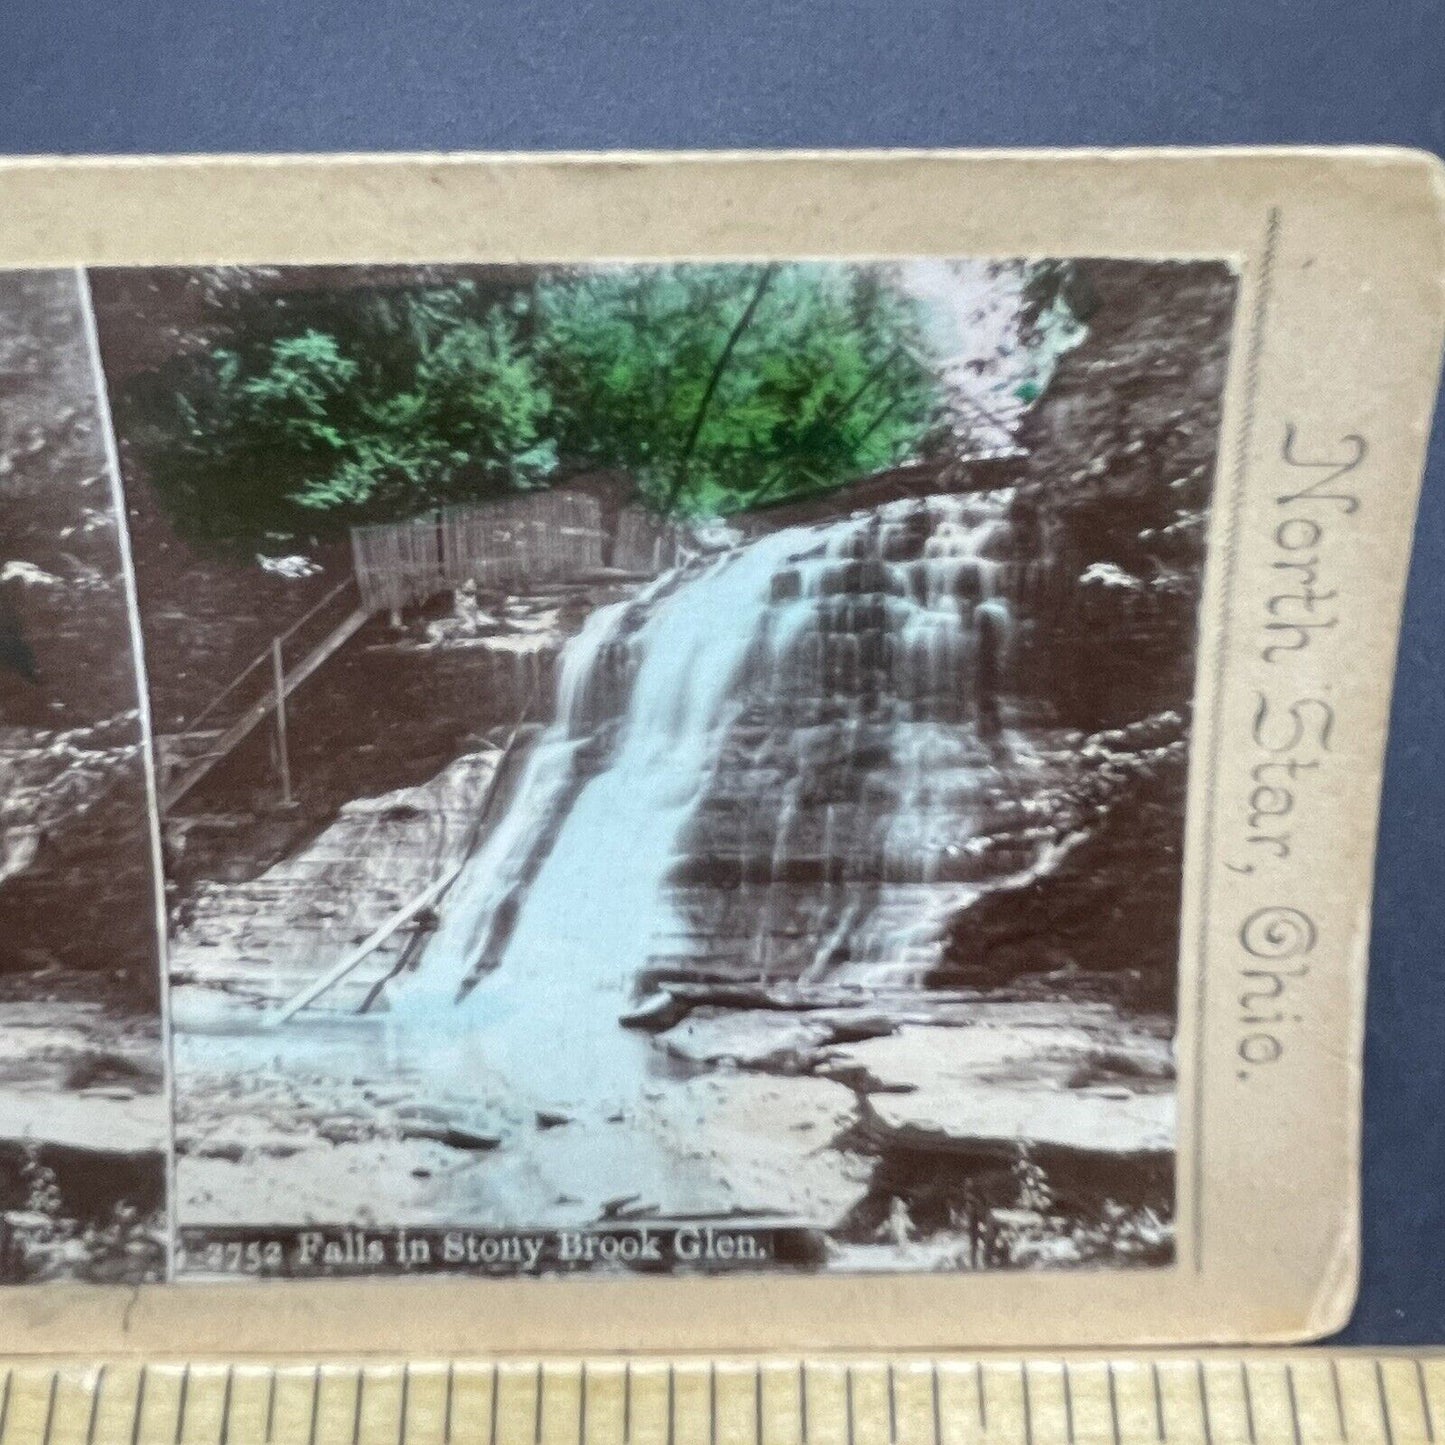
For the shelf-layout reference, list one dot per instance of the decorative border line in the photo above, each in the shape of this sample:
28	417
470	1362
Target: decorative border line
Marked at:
1230	556
147	731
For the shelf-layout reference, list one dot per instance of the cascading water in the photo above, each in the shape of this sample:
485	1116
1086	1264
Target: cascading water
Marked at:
770	765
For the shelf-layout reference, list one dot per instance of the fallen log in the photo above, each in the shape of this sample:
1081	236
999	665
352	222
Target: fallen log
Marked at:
672	1001
364	949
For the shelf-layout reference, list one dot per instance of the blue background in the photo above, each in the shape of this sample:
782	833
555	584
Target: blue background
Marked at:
287	75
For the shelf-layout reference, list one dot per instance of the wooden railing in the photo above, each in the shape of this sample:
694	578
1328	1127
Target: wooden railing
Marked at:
537	537
258	691
214	708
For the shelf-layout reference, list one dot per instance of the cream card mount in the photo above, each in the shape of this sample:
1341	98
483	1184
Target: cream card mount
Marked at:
717	751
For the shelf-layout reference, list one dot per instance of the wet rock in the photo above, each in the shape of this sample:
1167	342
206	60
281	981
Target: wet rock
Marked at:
452	1136
772	1042
657	1012
344	1131
115	1126
618	1208
219	1149
697	1147
268	937
934	1118
857	1078
1071	1077
1108	904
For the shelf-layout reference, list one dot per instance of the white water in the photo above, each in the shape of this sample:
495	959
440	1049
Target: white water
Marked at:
566	902
587	919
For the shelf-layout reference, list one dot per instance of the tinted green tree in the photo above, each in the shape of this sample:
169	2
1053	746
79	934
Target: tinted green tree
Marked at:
413	401
716	387
724	387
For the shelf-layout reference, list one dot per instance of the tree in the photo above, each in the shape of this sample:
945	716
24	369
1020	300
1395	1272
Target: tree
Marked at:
409	401
716	387
719	386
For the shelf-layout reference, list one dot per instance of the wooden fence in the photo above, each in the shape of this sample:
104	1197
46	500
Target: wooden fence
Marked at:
645	544
539	537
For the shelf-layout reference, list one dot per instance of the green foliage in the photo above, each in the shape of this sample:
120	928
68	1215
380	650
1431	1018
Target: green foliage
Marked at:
825	378
416	402
716	387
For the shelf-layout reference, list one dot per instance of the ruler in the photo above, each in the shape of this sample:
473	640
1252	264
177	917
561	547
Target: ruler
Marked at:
1259	1397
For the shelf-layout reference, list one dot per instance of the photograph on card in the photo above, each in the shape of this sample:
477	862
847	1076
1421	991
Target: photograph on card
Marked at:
672	767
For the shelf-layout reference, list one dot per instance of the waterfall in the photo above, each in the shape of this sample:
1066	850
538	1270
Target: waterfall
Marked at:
769	764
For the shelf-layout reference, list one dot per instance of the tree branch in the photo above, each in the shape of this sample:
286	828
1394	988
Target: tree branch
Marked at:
679	480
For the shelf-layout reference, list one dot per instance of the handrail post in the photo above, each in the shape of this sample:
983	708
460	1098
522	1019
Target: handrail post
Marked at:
279	675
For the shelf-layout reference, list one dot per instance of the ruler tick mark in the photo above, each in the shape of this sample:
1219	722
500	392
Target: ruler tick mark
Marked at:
1384	1404
671	1404
405	1400
712	1402
582	1407
848	1400
5	1404
1028	1403
451	1391
1339	1401
627	1403
496	1390
271	1407
1248	1401
1160	1429
758	1403
226	1405
50	1406
95	1406
1113	1400
1293	1403
1204	1402
184	1401
356	1402
140	1403
1424	1404
892	1407
803	1401
541	1406
938	1408
1068	1405
982	1400
315	1402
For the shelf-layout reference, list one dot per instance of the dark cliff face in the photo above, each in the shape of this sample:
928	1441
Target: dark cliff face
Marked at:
1116	489
1104	916
1115	497
72	797
62	591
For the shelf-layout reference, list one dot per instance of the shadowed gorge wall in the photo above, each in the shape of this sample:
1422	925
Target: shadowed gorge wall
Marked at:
76	887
